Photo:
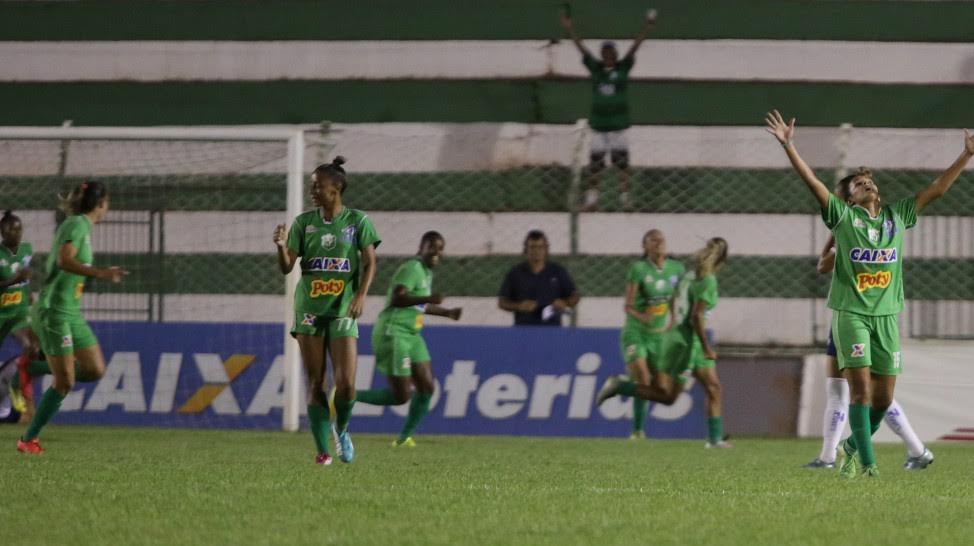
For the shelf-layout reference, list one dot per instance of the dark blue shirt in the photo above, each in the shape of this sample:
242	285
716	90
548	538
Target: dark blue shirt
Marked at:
552	283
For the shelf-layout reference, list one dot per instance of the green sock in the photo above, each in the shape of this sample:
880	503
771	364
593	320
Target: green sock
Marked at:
627	388
50	403
639	408
319	417
861	439
38	367
376	397
715	429
875	421
343	412
419	406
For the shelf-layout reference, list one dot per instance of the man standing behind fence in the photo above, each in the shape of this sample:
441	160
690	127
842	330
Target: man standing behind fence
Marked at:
609	117
537	291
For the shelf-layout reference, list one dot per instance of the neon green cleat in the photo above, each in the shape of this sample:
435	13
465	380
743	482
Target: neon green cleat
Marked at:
17	401
871	471
850	466
408	442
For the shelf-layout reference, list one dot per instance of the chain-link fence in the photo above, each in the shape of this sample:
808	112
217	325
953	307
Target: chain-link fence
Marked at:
193	219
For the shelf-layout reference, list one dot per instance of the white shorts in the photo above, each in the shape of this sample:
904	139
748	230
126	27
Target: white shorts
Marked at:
612	141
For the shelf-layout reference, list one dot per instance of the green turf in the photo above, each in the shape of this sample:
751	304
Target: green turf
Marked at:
156	486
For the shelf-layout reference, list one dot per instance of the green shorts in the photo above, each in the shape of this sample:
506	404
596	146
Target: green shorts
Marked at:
863	341
326	327
677	353
697	360
395	354
61	334
634	345
11	324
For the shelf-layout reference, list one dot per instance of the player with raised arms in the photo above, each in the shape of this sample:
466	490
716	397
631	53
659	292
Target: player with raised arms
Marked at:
687	349
867	286
64	336
15	271
650	285
336	246
400	351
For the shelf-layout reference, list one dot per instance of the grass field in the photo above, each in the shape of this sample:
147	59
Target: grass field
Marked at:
155	486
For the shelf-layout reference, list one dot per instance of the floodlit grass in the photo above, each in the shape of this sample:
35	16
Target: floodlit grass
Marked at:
157	486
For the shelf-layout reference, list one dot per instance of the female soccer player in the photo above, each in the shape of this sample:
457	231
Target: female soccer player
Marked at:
15	258
400	351
837	401
650	283
687	349
867	287
336	245
56	319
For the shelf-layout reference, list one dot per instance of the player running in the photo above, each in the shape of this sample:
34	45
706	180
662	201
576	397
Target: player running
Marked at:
15	271
336	245
64	336
650	284
867	287
687	349
400	351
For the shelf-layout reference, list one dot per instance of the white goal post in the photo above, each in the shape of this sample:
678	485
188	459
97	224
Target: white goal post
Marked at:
294	140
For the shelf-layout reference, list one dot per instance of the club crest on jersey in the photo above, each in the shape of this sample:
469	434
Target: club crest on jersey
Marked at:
348	235
331	287
308	320
873	235
660	284
3	263
858	350
13	298
867	281
341	265
328	241
873	255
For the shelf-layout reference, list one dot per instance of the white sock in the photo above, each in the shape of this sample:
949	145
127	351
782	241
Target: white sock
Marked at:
896	420
836	416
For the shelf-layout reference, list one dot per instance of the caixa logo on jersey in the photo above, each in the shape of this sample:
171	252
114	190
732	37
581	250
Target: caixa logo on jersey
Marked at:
339	265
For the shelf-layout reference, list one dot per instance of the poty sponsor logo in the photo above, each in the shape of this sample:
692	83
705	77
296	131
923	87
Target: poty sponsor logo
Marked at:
341	265
858	350
873	255
332	287
658	310
867	281
78	290
13	298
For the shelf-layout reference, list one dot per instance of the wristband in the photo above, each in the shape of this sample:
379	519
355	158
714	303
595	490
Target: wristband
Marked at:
786	144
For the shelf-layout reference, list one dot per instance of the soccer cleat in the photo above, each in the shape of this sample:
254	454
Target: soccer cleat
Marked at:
818	463
609	389
17	401
32	447
919	463
637	435
407	442
323	459
343	445
850	466
723	444
871	471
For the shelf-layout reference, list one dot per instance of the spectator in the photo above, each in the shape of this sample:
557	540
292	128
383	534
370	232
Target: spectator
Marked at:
609	117
538	292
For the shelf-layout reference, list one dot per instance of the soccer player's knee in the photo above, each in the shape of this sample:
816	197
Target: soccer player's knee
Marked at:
620	158
63	383
401	396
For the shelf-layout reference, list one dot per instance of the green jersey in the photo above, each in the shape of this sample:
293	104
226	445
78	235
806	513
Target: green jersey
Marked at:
418	280
689	291
654	290
610	98
868	277
62	290
329	254
14	298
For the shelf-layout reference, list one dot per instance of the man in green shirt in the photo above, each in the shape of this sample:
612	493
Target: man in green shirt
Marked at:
867	285
400	351
650	283
609	117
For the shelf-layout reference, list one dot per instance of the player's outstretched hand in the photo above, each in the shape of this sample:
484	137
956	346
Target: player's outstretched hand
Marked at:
114	274
968	142
280	235
782	131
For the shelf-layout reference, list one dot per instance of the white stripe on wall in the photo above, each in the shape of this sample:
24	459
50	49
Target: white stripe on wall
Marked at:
726	60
